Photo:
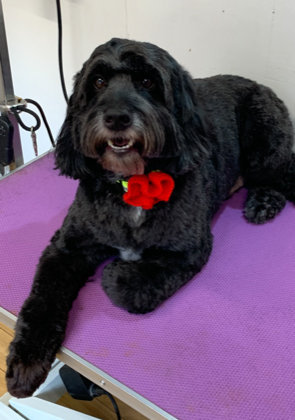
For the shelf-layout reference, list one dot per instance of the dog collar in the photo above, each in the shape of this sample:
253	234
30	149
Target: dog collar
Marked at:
124	185
147	190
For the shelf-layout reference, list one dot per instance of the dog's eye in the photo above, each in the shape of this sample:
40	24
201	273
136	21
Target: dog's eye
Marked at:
147	83
100	82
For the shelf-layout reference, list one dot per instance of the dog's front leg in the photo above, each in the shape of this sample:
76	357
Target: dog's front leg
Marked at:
140	286
41	325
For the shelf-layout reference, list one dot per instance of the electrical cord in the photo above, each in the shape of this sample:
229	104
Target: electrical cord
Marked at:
60	60
97	391
81	388
114	404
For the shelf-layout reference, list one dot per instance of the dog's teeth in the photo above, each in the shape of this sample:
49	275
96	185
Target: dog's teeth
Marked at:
119	147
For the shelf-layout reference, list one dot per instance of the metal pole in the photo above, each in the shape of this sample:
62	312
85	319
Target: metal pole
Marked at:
7	96
5	64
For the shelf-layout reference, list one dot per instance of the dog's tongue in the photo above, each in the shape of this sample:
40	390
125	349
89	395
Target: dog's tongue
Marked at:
120	142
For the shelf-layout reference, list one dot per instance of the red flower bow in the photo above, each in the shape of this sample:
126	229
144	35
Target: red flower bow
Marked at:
146	190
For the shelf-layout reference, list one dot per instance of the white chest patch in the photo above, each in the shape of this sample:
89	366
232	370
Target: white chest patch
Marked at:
128	254
136	216
137	213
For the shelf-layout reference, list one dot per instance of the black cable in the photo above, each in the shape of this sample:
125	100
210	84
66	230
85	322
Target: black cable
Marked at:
81	388
31	101
16	110
97	391
114	404
60	62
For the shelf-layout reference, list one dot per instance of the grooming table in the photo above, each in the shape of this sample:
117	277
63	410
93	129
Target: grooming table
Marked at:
221	348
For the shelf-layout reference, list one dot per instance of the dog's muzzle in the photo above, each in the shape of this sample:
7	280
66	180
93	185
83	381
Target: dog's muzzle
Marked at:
118	122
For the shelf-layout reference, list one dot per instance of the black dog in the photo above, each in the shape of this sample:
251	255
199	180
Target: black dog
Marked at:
135	110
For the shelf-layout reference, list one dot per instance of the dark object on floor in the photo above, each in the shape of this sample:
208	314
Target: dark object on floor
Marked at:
81	388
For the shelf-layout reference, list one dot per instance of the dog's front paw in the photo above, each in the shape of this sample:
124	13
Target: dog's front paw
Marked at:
24	375
127	285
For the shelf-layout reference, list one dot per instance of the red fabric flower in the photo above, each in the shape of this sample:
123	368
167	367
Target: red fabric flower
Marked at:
146	190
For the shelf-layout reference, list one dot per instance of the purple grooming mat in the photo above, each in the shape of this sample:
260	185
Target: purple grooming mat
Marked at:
221	348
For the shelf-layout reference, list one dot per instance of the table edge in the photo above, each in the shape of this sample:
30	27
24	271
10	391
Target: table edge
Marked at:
116	388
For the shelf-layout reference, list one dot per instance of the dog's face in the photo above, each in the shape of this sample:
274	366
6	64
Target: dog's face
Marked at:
132	105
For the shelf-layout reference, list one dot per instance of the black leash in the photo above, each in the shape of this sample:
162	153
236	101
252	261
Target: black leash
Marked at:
18	109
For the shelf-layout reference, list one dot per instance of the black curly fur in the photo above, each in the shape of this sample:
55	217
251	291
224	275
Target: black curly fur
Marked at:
205	133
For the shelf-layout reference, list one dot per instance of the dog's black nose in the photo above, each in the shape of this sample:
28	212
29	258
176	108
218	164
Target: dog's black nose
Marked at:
117	119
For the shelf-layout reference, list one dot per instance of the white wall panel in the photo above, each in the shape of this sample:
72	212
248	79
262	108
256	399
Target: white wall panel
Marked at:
254	39
250	38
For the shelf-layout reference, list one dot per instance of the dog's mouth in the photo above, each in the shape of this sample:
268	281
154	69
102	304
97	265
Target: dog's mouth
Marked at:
123	155
120	144
124	145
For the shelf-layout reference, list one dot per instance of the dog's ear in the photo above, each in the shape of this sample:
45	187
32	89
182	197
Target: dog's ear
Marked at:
68	160
193	141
